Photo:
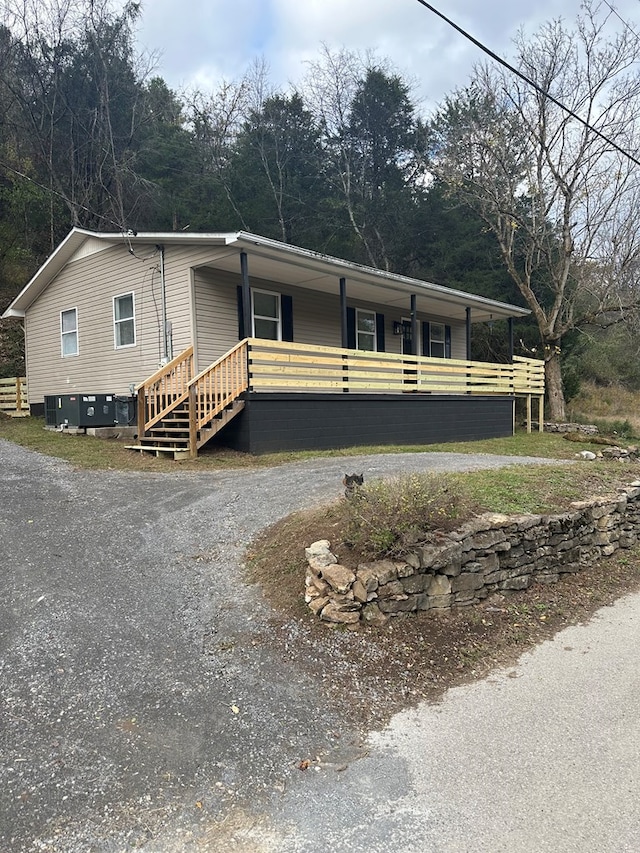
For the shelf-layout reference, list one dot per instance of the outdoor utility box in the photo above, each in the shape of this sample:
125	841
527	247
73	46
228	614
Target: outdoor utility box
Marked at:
80	410
126	410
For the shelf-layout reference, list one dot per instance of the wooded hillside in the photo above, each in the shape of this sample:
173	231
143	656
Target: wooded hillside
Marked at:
343	163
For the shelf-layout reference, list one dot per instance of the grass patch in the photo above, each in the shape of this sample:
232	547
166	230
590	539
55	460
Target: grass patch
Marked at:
87	452
602	406
385	517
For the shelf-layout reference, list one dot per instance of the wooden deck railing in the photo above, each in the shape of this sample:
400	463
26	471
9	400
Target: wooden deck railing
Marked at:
163	391
278	366
262	365
13	396
215	388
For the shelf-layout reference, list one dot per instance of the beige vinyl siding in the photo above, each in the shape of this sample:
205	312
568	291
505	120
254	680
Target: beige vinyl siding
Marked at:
90	284
316	316
178	262
206	310
216	313
316	320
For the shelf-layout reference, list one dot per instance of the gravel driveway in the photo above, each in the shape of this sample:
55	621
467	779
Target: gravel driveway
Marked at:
138	707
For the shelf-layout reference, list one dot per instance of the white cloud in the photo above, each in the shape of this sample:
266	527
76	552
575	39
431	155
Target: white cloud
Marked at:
203	41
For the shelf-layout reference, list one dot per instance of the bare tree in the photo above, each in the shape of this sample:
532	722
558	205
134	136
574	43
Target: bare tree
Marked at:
369	131
217	119
557	194
76	83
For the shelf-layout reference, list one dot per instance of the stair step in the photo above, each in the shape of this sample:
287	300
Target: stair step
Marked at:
172	433
178	452
160	439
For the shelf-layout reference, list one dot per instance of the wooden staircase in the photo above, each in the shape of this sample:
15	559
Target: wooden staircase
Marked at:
178	413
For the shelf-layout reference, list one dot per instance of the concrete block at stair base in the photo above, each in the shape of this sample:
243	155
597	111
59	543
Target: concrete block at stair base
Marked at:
117	432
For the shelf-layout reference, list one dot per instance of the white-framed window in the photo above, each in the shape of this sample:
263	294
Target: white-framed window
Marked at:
437	340
124	324
366	330
266	320
69	332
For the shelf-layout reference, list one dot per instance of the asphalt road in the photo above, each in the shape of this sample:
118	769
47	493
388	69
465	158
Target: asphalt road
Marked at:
140	710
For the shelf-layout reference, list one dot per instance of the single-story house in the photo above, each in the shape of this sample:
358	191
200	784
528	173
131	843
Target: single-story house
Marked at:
264	345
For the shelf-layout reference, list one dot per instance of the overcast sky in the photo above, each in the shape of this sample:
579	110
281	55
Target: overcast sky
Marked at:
201	42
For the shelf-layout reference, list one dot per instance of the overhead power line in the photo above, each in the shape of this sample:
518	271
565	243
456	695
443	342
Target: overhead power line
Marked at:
529	82
620	18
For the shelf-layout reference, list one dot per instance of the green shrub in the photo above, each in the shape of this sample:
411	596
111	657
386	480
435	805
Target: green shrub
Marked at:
388	516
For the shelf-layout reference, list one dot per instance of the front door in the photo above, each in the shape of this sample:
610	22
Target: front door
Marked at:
407	337
408	348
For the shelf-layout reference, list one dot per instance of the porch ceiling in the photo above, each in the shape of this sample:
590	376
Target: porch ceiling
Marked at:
321	273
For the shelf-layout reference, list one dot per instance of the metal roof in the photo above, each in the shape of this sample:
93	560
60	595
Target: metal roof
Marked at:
271	260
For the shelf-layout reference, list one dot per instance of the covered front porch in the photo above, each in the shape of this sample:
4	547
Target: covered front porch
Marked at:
265	395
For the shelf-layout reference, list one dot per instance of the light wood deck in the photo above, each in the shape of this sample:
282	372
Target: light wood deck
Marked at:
202	404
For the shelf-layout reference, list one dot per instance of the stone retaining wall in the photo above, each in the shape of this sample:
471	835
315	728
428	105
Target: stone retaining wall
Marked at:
490	553
587	429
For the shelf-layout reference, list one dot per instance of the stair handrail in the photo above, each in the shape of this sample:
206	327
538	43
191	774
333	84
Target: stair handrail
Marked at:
165	389
216	387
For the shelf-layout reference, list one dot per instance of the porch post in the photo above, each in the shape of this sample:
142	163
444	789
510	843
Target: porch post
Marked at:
414	324
468	314
246	297
343	313
510	338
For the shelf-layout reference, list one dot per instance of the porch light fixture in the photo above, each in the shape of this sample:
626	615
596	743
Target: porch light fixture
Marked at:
398	328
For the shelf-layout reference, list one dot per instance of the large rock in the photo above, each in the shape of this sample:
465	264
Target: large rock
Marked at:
319	555
385	570
332	613
367	576
339	578
372	615
440	585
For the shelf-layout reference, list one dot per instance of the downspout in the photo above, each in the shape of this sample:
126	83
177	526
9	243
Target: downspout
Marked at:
163	310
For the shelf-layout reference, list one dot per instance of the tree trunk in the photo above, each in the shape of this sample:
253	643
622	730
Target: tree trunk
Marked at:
555	393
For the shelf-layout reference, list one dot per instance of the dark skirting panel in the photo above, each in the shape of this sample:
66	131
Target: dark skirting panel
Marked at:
273	422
